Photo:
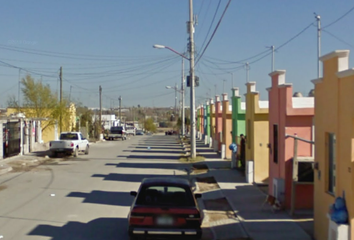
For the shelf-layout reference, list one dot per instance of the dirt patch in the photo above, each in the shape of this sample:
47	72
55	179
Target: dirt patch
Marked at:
207	184
218	210
187	159
199	168
2	187
31	165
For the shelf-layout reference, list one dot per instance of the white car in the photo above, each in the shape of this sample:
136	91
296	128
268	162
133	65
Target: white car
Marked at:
70	143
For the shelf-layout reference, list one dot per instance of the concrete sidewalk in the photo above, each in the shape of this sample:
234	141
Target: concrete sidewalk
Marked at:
246	200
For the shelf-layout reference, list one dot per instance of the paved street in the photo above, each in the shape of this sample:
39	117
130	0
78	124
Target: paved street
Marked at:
88	197
85	198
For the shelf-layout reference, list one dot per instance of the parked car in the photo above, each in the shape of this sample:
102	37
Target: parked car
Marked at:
69	143
139	132
165	207
117	132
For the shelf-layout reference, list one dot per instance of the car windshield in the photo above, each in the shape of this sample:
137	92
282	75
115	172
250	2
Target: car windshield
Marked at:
165	196
69	136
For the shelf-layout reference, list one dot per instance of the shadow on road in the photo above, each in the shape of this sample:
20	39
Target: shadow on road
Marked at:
157	157
104	197
152	150
177	166
130	177
98	229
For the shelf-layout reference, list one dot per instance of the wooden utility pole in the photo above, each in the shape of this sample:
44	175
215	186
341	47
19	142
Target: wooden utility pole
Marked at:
61	98
100	129
120	110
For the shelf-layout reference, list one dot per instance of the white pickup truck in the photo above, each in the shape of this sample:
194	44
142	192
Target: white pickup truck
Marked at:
70	143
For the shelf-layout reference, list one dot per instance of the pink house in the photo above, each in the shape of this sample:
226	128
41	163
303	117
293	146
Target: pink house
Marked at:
218	124
290	118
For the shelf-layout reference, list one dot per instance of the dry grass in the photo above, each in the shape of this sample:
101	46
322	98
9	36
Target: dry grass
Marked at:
217	210
207	184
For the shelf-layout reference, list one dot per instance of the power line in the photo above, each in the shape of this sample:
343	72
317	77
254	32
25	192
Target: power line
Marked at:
338	19
341	40
211	24
216	28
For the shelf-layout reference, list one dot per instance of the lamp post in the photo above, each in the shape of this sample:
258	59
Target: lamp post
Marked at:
176	90
182	93
182	83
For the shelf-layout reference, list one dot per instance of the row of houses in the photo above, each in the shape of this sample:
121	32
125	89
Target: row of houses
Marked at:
302	147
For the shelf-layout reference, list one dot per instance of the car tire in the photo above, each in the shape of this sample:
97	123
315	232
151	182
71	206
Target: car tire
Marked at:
76	152
87	150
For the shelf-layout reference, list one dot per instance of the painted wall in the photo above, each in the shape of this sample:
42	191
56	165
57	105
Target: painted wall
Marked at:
238	116
218	121
291	120
334	114
257	134
212	119
226	125
48	129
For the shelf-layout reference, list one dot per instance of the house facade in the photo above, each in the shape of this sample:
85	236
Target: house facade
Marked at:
257	136
334	147
290	118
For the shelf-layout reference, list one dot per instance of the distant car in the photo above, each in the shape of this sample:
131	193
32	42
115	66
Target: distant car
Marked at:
139	133
165	207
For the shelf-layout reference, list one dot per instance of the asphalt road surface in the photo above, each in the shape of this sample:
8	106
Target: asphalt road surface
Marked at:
85	197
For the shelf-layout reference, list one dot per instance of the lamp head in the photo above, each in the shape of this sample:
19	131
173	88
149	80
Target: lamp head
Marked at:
159	46
168	87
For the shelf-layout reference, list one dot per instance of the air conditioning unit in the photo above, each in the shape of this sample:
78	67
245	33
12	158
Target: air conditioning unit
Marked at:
279	189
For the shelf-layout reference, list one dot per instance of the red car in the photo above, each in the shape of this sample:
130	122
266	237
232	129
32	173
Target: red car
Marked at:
165	207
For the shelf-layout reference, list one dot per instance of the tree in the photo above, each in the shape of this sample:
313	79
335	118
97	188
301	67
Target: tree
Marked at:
149	125
40	102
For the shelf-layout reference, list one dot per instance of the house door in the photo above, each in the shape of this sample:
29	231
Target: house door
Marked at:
14	138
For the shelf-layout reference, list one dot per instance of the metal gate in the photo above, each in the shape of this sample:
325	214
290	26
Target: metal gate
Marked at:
12	139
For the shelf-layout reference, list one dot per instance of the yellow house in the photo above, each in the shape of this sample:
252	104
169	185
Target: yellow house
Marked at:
48	126
334	143
226	125
257	136
212	120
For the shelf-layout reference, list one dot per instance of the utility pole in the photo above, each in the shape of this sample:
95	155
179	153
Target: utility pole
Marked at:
192	83
247	71
176	88
182	92
232	80
318	17
100	90
273	49
223	85
19	87
120	110
61	99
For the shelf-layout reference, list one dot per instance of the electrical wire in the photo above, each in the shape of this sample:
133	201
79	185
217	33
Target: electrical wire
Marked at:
338	19
212	36
341	40
211	24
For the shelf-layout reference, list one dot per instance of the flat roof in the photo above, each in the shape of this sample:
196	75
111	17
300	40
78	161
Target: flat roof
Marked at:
263	104
303	102
243	106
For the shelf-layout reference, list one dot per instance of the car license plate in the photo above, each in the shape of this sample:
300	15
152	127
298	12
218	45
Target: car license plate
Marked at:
164	221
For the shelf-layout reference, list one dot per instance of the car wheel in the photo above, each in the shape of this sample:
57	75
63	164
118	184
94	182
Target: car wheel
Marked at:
76	152
87	150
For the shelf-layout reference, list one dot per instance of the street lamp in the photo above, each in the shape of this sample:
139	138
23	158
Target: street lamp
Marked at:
183	110
176	89
192	104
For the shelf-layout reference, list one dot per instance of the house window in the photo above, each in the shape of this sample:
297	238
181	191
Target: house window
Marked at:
248	135
331	162
275	143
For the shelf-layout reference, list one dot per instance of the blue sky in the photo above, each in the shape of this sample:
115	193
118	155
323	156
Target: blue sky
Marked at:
109	43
